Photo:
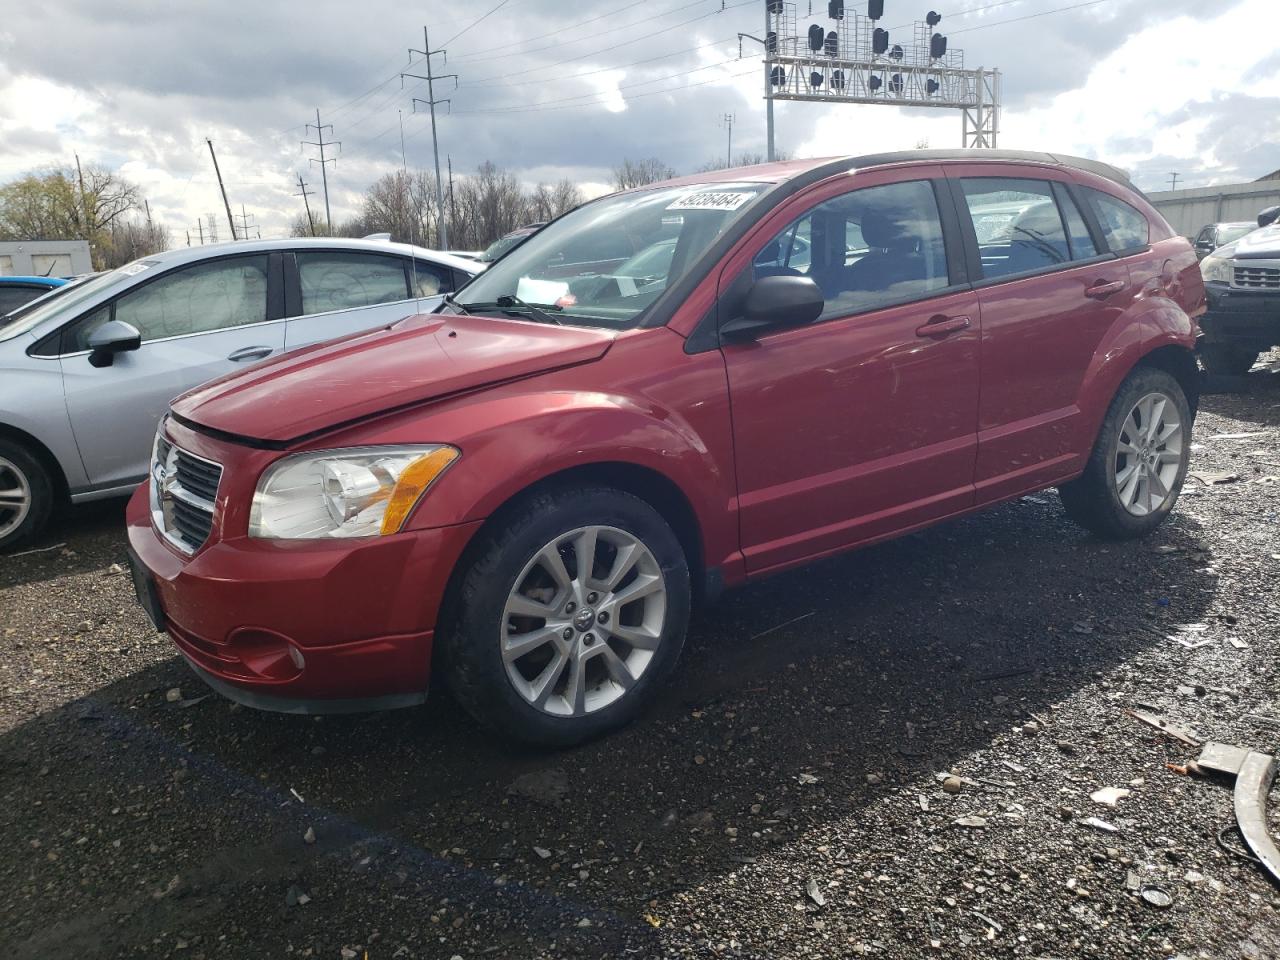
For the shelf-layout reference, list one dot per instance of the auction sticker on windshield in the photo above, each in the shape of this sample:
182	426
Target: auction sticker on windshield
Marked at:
711	201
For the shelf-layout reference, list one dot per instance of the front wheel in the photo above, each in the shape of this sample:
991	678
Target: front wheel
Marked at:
26	495
1138	463
569	617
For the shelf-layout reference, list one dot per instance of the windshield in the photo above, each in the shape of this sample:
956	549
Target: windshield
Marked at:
605	263
500	246
65	299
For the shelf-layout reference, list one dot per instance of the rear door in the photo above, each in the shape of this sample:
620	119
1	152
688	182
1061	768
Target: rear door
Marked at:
197	322
862	423
332	293
1049	294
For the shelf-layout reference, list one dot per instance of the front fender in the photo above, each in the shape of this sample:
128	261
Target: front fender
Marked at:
513	441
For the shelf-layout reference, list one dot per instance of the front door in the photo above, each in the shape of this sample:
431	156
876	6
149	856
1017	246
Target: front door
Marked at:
862	423
197	322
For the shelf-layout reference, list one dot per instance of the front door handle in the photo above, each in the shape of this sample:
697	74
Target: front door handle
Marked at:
1103	289
941	325
249	354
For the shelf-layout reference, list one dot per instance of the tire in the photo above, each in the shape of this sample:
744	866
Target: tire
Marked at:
1227	359
1097	499
539	696
23	515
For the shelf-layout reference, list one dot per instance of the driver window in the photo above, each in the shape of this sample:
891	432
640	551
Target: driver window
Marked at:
866	249
196	299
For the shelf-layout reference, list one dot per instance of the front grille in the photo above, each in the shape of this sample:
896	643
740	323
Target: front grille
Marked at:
184	488
1258	278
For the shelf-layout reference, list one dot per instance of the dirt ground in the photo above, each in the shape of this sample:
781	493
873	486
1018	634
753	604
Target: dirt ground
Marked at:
781	801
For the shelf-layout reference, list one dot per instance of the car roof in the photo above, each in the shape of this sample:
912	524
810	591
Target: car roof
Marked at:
179	255
38	281
781	171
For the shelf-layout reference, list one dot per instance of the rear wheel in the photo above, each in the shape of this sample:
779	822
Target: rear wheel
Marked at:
569	617
26	495
1227	359
1138	463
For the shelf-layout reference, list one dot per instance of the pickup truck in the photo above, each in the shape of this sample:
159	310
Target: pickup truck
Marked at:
1242	280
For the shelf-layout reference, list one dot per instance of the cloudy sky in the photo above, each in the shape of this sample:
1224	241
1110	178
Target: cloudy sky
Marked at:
550	89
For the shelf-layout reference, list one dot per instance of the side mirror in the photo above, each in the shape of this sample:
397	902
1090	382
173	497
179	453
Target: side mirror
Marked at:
776	302
1268	216
114	336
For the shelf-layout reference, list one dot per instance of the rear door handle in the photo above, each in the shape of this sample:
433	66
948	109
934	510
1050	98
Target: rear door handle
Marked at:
941	325
248	354
1103	289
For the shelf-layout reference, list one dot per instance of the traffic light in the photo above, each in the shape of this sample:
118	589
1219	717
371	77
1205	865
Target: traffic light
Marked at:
832	45
874	83
875	9
777	76
774	6
879	40
896	84
835	9
771	42
816	38
837	79
937	46
931	86
934	18
896	52
815	79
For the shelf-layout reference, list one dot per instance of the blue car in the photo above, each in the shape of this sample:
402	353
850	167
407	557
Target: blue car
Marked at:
17	291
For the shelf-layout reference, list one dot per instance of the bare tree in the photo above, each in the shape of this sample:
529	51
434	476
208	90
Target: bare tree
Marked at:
132	240
488	205
637	173
742	160
400	204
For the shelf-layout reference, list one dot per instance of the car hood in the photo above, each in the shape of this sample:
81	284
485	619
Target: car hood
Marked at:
418	359
1262	243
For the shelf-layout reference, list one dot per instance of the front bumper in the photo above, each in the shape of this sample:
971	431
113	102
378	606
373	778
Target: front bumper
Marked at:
1244	316
304	626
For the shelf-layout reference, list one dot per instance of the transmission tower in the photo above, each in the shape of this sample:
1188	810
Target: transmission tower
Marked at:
442	231
323	160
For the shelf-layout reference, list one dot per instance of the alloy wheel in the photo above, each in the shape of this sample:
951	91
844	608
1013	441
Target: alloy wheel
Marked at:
583	621
1148	454
15	497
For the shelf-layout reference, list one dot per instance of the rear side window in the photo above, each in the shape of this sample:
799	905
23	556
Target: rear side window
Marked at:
1123	226
865	249
1082	245
344	281
1017	224
13	296
428	280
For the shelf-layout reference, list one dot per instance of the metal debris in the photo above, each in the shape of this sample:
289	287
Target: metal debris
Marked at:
1099	825
1158	897
1109	795
1164	726
1254	773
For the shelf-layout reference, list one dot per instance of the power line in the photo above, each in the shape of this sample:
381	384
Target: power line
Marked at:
552	33
1029	16
474	22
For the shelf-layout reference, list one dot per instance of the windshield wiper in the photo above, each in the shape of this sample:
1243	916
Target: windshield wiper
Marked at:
448	298
510	303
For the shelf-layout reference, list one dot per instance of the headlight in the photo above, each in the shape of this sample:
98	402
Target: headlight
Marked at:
357	492
1215	269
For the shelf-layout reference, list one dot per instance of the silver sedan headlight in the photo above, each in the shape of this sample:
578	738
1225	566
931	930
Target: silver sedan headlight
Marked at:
356	492
1215	269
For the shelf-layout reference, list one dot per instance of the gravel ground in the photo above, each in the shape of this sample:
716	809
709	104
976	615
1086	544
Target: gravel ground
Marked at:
781	801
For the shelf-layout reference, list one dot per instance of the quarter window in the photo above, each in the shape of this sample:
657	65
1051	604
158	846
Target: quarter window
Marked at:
344	281
428	280
1017	225
206	296
1082	245
865	249
1123	226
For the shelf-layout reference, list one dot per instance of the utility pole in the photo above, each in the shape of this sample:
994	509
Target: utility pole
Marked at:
230	221
188	238
200	228
147	203
442	233
1173	181
84	204
305	193
768	99
244	223
727	121
324	176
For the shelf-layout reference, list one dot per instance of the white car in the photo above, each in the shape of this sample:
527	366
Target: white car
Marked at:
86	376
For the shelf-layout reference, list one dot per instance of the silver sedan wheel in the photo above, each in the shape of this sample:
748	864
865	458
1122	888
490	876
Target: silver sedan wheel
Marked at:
15	497
1148	454
583	621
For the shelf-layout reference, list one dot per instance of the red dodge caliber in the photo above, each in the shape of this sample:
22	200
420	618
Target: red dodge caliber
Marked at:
662	393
